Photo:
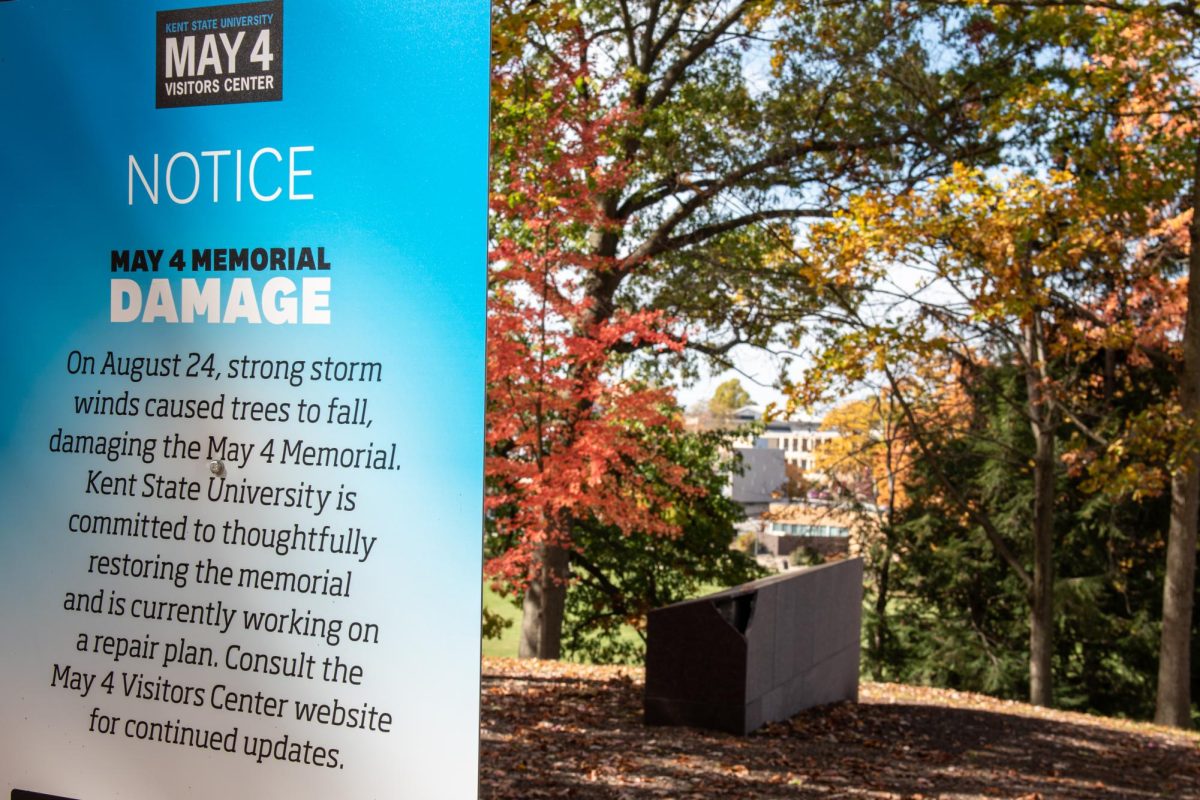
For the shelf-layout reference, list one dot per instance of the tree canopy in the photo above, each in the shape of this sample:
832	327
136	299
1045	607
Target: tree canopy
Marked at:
977	214
728	397
648	160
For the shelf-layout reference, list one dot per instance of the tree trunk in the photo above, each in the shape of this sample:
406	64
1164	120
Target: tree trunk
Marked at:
882	637
1041	610
1173	705
544	605
879	642
1041	599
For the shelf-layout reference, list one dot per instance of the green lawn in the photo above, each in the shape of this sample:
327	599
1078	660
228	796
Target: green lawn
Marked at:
506	645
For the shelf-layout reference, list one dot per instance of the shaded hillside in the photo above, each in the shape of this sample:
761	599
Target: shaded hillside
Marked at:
552	729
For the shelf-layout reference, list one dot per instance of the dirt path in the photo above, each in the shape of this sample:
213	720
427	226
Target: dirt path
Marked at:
564	730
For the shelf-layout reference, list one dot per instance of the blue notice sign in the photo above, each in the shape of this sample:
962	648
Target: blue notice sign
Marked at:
243	356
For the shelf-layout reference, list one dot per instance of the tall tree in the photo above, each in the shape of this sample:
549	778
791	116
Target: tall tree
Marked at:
994	255
565	441
1131	77
728	397
868	463
726	121
1107	99
621	575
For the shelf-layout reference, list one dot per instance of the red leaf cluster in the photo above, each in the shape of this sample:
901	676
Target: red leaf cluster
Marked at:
567	436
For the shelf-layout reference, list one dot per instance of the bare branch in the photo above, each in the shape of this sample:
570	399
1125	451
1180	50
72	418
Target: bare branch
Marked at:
692	53
706	232
1182	9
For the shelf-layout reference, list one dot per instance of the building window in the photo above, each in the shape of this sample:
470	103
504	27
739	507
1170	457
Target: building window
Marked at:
812	531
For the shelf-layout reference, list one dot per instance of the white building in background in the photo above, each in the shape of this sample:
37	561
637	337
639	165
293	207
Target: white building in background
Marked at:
761	480
768	456
798	439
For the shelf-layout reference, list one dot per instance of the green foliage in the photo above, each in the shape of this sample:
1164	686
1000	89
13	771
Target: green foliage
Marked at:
724	130
619	577
746	542
728	397
743	122
957	616
494	624
500	606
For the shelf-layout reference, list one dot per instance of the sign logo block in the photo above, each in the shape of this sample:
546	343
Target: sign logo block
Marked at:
215	55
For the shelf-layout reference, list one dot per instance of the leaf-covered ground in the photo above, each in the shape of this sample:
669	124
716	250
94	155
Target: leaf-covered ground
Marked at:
552	729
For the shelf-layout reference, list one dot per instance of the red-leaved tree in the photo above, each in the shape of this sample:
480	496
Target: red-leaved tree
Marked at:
566	434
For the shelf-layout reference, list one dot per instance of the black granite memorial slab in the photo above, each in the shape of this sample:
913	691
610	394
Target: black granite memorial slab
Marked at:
756	653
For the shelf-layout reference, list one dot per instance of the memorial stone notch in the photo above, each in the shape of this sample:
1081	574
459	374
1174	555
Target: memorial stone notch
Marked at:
21	794
757	653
